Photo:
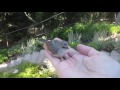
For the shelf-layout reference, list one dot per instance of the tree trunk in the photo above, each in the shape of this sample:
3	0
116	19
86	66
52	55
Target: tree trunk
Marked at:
117	21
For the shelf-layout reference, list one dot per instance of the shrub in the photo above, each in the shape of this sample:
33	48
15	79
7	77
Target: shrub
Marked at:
114	29
61	33
102	39
3	55
74	39
86	29
94	45
32	45
28	70
16	49
73	45
116	44
29	47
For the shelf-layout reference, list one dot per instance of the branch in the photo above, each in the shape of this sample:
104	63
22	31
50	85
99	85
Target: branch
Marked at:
28	16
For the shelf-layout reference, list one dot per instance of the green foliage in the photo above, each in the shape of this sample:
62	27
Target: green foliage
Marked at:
28	70
32	45
86	29
29	47
61	33
3	55
94	45
103	40
116	44
73	44
12	21
74	39
114	29
16	49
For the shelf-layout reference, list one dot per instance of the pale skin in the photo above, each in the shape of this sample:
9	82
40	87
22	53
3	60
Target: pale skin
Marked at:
84	62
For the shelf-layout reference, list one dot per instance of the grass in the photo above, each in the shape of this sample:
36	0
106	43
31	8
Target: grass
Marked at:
3	55
28	70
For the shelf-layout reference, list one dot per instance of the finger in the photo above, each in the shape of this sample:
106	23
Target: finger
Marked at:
45	46
55	61
66	56
75	58
71	52
86	50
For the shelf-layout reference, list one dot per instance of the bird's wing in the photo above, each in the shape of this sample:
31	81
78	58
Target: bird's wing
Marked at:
52	47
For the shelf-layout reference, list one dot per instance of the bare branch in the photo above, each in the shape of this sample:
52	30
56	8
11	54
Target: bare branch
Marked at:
30	18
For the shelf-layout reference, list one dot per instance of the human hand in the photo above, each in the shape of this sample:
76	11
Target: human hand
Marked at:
85	62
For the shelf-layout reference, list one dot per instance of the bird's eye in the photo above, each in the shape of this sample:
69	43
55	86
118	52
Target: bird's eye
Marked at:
65	44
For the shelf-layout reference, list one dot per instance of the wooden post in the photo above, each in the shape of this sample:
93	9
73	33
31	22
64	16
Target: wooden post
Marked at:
7	44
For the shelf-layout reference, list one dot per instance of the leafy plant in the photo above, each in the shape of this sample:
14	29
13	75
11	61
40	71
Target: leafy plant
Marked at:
73	44
16	49
94	45
74	39
86	29
116	43
117	46
114	29
102	39
30	46
3	55
28	70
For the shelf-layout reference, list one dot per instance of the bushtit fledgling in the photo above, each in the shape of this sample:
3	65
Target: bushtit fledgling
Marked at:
58	48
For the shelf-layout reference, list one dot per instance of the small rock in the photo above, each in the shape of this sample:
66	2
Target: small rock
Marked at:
104	52
3	67
15	71
41	56
19	60
12	70
34	57
27	57
117	39
12	63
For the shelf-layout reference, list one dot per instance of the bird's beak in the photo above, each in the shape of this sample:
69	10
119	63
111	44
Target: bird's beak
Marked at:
67	47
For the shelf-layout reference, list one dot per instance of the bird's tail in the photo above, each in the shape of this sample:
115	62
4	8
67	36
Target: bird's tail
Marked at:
42	40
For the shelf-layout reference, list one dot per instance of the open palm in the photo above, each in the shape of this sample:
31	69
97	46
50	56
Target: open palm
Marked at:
85	62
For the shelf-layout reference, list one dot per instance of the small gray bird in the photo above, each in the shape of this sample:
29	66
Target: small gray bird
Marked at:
56	47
